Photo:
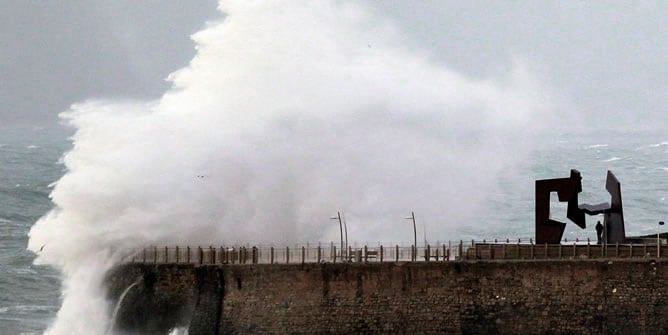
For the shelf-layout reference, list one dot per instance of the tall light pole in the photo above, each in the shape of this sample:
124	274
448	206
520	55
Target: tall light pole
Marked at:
412	217
338	216
658	241
345	232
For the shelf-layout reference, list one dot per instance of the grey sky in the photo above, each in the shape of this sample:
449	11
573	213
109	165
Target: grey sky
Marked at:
605	60
55	53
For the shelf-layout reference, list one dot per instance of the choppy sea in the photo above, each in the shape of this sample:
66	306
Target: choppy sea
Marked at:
29	294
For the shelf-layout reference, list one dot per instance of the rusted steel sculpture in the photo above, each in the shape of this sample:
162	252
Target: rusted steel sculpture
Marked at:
613	214
551	231
548	230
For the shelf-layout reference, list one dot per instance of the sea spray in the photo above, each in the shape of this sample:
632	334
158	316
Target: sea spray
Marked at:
119	304
287	113
179	331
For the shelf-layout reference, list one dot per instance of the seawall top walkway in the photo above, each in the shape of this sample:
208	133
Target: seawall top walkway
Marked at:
460	251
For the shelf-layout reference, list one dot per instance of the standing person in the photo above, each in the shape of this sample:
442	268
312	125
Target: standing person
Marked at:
599	232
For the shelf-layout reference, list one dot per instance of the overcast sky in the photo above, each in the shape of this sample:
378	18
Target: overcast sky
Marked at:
603	60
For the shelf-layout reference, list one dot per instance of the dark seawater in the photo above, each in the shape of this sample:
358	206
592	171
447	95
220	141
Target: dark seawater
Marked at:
29	294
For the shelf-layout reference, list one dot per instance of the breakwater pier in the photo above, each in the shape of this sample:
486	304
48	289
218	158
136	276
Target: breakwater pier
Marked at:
454	288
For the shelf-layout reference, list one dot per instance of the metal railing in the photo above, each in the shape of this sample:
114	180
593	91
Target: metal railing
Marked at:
440	252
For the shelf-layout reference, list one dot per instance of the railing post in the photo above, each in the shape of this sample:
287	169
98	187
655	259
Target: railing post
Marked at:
396	253
303	255
287	255
491	251
255	255
630	250
177	254
333	248
188	254
319	254
166	255
200	254
644	250
271	256
381	253
446	255
461	250
427	253
366	254
531	248
228	255
212	258
437	250
155	254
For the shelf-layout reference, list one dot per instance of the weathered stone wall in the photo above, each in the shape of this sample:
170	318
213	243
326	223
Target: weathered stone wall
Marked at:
516	297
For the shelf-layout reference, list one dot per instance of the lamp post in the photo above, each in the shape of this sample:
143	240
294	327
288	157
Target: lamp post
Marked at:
345	232
658	241
412	217
338	216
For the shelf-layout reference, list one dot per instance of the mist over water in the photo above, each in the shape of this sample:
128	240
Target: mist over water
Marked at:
287	113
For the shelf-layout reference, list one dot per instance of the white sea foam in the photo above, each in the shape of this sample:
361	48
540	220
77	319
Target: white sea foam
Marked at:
612	159
179	331
594	146
30	308
283	117
658	144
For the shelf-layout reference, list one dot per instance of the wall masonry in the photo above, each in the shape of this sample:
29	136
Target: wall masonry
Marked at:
509	297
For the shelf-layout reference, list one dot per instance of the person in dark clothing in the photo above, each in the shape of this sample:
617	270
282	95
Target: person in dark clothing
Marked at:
599	232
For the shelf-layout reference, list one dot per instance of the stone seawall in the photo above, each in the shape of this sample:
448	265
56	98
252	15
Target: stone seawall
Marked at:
513	297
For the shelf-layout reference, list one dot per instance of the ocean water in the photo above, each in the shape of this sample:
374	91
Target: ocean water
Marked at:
29	294
29	163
